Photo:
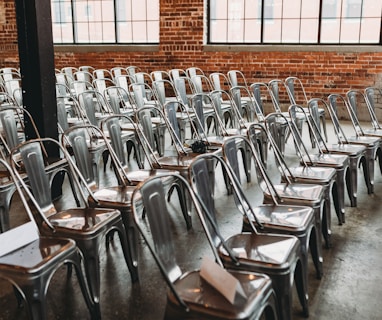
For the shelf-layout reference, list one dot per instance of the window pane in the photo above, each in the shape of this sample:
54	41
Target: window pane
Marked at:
272	31
291	31
350	29
94	21
330	29
218	31
370	30
291	9
309	31
252	31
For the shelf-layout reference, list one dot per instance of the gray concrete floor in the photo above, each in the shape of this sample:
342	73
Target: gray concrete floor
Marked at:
350	287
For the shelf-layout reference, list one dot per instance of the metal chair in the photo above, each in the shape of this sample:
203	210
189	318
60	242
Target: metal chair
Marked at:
355	101
113	125
288	193
322	159
28	261
356	153
189	295
277	255
373	144
85	225
325	177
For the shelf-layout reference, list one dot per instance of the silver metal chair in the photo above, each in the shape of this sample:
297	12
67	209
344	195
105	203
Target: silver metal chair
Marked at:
321	159
373	144
85	225
113	125
277	255
189	295
356	153
28	261
293	194
326	177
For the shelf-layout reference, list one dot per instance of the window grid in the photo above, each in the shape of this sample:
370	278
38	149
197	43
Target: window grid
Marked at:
295	22
105	21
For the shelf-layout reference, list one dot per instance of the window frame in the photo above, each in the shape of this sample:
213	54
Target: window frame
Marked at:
76	36
319	42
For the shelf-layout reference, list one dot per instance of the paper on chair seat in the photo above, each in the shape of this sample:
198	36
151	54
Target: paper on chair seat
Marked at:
18	237
221	280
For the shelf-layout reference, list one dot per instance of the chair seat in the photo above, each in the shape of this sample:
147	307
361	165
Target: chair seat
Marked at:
329	160
33	258
300	194
364	140
262	251
114	197
319	175
288	218
352	150
373	132
82	219
141	175
205	302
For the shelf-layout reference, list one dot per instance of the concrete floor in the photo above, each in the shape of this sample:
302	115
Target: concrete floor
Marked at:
350	287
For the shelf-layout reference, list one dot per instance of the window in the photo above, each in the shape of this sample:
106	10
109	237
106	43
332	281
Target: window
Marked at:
294	21
105	21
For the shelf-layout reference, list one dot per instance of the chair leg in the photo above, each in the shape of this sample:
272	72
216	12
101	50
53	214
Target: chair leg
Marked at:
352	180
93	306
128	235
35	298
366	173
90	252
315	246
336	202
326	220
301	285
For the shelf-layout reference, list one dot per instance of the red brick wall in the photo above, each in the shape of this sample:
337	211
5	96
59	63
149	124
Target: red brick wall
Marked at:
181	46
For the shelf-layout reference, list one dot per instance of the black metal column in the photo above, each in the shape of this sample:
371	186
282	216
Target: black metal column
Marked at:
36	54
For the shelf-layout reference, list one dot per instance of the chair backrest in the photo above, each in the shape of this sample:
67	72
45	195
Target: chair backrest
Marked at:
124	81
201	84
193	71
230	154
237	78
80	86
102	74
62	117
132	70
314	118
371	95
274	88
143	116
176	73
112	125
201	184
100	84
292	84
153	197
335	102
34	164
164	91
180	87
219	81
12	123
83	76
93	102
355	99
259	90
118	99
